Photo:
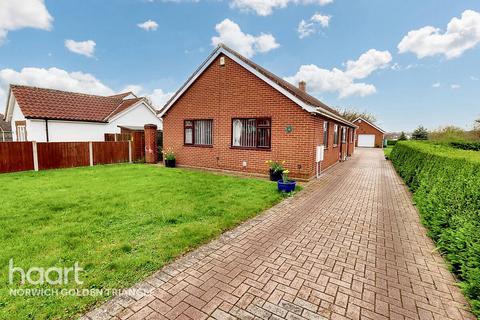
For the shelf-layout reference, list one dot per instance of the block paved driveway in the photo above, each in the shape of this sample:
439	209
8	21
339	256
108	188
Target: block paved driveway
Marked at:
349	246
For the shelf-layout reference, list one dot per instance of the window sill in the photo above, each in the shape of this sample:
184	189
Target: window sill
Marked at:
198	145
251	149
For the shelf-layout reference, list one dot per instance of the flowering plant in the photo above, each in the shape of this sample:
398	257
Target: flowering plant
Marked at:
169	155
275	166
285	176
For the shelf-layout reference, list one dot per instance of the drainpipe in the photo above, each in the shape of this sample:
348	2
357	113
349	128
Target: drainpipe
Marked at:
46	130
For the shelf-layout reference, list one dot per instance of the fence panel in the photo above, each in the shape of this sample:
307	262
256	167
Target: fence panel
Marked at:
118	137
52	155
110	152
16	156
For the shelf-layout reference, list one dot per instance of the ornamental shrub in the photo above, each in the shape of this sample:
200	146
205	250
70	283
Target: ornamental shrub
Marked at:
446	189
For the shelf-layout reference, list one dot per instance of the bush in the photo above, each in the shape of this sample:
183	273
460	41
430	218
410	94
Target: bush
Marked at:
446	188
391	142
466	145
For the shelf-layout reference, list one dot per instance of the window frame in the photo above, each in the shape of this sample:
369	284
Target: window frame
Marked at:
193	144
335	135
326	133
257	119
21	125
343	135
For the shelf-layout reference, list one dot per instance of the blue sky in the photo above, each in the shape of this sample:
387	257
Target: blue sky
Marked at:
347	51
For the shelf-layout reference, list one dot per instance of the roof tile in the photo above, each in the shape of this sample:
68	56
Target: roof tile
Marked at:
62	105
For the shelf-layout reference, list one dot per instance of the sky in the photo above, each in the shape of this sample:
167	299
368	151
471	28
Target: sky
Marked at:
408	62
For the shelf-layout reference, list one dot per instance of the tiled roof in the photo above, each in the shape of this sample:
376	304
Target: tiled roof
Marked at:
4	124
300	94
292	90
62	105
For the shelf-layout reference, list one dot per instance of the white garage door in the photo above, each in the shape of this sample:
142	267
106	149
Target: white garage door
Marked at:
366	140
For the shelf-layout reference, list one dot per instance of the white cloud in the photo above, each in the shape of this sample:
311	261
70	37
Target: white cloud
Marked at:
28	14
230	34
436	85
455	86
54	78
308	27
461	34
148	25
343	81
473	78
86	48
157	96
265	7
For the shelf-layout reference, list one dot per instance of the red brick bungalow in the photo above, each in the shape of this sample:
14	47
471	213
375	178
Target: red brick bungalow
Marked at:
368	134
232	114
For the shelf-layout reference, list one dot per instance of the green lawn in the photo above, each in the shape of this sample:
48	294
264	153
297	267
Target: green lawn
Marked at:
120	222
387	151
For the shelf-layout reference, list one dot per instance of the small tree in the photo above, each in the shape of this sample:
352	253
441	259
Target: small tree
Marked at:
403	136
420	133
476	128
351	114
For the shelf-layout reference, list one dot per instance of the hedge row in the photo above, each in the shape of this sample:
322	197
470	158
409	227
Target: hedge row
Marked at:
466	145
446	188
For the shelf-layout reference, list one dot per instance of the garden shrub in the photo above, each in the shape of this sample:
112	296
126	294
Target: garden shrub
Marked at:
391	142
466	145
446	189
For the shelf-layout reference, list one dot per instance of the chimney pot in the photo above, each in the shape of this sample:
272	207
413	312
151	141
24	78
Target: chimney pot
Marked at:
302	85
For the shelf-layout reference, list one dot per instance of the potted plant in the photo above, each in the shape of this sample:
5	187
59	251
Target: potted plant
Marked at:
285	184
276	169
169	157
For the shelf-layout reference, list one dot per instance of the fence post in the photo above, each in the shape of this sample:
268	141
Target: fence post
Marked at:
35	155
130	151
90	152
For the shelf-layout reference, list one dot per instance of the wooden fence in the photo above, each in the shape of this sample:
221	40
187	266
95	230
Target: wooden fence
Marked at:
22	156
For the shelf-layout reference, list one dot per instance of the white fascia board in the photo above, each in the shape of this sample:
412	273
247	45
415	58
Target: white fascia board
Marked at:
373	125
124	112
10	105
212	58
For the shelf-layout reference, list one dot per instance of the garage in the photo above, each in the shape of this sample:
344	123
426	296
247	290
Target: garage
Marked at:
366	140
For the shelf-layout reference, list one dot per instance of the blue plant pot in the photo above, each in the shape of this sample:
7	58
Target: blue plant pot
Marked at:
286	186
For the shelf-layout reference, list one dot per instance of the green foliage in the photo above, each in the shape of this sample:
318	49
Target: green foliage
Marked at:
451	133
446	186
352	114
387	151
420	134
466	145
402	137
391	142
275	166
120	222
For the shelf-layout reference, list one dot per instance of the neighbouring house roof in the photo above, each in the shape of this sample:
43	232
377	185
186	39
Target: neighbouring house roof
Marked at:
303	99
371	124
4	125
41	103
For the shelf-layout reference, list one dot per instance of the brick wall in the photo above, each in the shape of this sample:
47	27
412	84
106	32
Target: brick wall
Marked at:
225	92
366	128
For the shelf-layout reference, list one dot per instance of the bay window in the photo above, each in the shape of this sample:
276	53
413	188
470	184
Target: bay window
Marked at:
198	132
251	132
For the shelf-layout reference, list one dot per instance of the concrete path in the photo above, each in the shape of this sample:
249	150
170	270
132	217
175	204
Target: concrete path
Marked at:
349	246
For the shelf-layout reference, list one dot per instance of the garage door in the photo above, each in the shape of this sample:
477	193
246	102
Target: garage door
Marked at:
366	140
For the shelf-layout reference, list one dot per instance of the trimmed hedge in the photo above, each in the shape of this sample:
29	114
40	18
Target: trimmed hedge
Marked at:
446	189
